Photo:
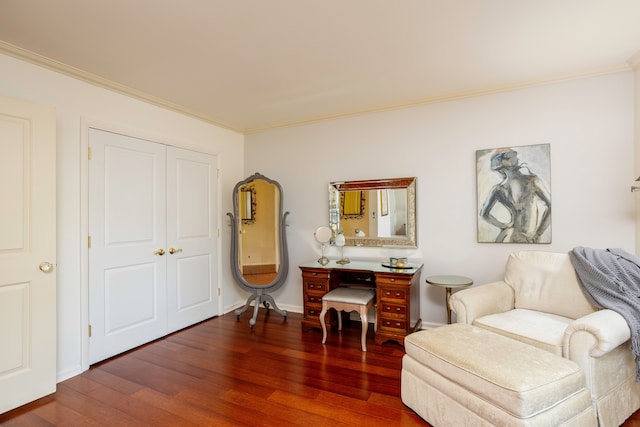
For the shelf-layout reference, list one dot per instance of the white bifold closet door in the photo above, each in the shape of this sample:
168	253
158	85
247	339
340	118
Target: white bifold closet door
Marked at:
153	241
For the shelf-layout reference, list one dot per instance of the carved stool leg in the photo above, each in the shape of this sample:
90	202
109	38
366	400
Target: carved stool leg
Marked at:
324	326
365	325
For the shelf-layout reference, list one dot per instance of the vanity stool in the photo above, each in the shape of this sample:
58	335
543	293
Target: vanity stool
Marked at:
348	299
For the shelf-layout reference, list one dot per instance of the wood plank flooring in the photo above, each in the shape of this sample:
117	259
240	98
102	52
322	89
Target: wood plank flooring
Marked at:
223	373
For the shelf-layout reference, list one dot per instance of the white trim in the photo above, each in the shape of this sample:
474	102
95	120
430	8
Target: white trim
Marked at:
60	67
634	61
43	61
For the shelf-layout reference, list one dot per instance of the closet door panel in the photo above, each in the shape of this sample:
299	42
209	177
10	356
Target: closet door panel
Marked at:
127	226
191	237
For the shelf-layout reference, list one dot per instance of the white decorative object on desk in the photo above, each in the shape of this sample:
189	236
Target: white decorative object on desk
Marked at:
322	236
340	241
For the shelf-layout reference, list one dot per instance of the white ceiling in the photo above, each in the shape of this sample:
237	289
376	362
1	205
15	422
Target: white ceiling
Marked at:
257	64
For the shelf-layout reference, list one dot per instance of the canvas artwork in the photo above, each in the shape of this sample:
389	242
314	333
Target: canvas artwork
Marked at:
514	198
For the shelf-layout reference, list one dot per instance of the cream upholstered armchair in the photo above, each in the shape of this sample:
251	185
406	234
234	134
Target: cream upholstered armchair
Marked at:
540	302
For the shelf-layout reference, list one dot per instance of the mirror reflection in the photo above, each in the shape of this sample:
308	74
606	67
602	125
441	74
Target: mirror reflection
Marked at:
247	202
377	212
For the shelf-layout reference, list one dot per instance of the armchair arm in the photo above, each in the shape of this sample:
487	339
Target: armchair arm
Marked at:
471	303
598	333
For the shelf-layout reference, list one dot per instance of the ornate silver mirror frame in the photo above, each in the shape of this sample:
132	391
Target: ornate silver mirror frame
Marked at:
366	202
274	222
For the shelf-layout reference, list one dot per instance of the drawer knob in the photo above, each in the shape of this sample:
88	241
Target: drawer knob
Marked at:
314	274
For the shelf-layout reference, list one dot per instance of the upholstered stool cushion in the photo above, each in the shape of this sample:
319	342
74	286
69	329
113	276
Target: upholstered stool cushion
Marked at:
458	374
346	295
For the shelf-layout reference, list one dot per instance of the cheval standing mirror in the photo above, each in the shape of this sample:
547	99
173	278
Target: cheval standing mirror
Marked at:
259	258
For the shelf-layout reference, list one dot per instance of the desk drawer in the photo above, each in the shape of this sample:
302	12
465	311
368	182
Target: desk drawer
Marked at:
313	298
315	275
388	294
394	309
312	311
392	325
316	286
385	279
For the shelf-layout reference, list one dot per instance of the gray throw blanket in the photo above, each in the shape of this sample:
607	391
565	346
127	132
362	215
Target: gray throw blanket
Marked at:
612	278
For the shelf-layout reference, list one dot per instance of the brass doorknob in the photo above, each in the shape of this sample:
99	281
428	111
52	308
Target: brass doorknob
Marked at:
46	267
174	250
159	252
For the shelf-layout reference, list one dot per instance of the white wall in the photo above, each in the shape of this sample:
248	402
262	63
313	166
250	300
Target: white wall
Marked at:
76	101
588	122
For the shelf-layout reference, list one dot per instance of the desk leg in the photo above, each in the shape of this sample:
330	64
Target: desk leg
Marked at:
447	298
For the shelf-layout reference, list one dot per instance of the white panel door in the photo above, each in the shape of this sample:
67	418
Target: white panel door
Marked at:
127	228
27	252
191	237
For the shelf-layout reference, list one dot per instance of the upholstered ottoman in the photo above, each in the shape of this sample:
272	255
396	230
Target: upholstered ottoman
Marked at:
460	375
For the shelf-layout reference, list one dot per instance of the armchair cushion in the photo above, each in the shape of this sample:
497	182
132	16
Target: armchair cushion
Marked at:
536	328
546	281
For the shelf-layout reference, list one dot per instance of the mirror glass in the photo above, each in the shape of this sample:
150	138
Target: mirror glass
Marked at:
380	212
323	236
258	202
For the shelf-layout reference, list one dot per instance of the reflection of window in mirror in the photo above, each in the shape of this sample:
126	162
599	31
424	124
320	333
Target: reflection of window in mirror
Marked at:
393	213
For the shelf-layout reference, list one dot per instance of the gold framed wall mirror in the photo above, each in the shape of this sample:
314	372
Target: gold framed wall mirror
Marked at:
377	212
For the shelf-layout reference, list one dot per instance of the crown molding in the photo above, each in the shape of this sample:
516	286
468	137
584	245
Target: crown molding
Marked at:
43	61
453	96
96	80
634	61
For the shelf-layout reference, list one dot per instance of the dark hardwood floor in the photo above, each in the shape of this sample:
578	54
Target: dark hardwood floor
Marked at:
223	373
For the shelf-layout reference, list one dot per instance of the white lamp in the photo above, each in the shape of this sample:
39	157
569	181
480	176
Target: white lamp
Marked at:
340	241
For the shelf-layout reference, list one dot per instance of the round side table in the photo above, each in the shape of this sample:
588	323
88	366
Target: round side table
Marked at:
448	282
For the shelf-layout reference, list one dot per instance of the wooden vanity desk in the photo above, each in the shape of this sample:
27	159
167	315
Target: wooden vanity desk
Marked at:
397	294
